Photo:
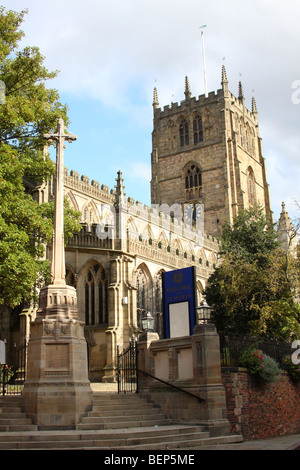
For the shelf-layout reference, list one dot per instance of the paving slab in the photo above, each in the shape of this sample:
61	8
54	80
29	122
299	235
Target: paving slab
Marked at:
289	442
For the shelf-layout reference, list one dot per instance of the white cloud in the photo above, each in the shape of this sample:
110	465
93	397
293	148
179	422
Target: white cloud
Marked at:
116	52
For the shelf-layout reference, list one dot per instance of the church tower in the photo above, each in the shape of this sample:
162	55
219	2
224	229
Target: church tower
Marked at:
207	150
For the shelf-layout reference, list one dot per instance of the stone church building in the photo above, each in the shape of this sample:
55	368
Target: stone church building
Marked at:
207	163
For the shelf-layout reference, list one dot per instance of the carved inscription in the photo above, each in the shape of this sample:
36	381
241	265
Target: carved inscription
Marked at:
57	357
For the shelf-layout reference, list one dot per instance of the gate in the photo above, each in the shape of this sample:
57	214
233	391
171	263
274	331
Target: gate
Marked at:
127	369
13	373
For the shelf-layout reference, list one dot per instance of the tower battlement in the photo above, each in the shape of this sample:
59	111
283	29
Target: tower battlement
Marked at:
194	103
191	102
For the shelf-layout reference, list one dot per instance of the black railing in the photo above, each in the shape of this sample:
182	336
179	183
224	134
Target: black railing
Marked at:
127	369
13	373
179	389
233	346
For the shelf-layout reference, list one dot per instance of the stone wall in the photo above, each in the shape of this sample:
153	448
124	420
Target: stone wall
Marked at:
260	410
182	375
250	407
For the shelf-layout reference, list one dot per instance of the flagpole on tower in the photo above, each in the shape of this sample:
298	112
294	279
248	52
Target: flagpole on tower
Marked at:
204	63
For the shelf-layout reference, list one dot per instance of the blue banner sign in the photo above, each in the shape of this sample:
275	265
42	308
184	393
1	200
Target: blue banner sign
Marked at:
179	302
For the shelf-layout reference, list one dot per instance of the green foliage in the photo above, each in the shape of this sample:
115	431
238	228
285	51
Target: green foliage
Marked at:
30	110
253	359
251	237
71	218
251	292
9	31
260	364
270	370
279	318
6	373
23	232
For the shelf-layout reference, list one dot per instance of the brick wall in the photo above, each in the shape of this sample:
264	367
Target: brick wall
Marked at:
259	410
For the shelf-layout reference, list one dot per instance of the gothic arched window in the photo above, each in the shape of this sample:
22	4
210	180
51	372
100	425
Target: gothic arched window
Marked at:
141	285
242	132
198	130
89	215
70	278
143	294
184	133
193	182
171	135
251	186
96	296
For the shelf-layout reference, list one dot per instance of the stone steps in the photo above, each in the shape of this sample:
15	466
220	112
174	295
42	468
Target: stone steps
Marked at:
11	416
149	438
113	411
119	422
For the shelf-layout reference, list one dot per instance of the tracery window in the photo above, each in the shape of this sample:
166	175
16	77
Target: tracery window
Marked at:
251	186
171	135
70	278
141	285
89	214
184	133
143	295
198	130
96	296
193	182
247	136
241	133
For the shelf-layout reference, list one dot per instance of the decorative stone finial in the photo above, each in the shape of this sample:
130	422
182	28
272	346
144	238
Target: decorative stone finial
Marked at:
120	194
187	90
241	93
254	108
224	76
284	222
155	99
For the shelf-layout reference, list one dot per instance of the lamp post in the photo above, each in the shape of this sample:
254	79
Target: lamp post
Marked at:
204	313
148	322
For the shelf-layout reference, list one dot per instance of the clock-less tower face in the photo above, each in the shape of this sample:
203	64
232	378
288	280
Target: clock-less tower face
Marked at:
207	150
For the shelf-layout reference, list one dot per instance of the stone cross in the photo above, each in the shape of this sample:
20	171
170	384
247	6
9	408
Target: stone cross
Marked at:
58	248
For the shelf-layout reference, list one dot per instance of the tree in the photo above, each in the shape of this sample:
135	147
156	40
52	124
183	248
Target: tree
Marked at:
30	110
251	236
250	291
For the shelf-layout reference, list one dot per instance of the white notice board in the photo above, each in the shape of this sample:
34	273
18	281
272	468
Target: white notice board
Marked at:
179	319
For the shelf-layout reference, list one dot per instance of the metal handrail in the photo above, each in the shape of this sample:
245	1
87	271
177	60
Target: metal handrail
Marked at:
171	385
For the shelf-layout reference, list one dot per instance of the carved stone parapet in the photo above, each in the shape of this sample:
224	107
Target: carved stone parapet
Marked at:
60	327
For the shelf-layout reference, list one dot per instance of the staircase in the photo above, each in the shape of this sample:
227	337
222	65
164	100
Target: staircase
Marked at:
12	419
113	411
119	422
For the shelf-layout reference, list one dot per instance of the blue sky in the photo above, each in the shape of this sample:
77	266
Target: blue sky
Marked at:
111	55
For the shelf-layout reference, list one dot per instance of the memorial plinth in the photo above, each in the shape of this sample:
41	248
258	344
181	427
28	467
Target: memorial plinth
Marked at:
57	390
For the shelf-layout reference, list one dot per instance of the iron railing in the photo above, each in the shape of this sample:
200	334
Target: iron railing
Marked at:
179	389
232	346
13	373
127	369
